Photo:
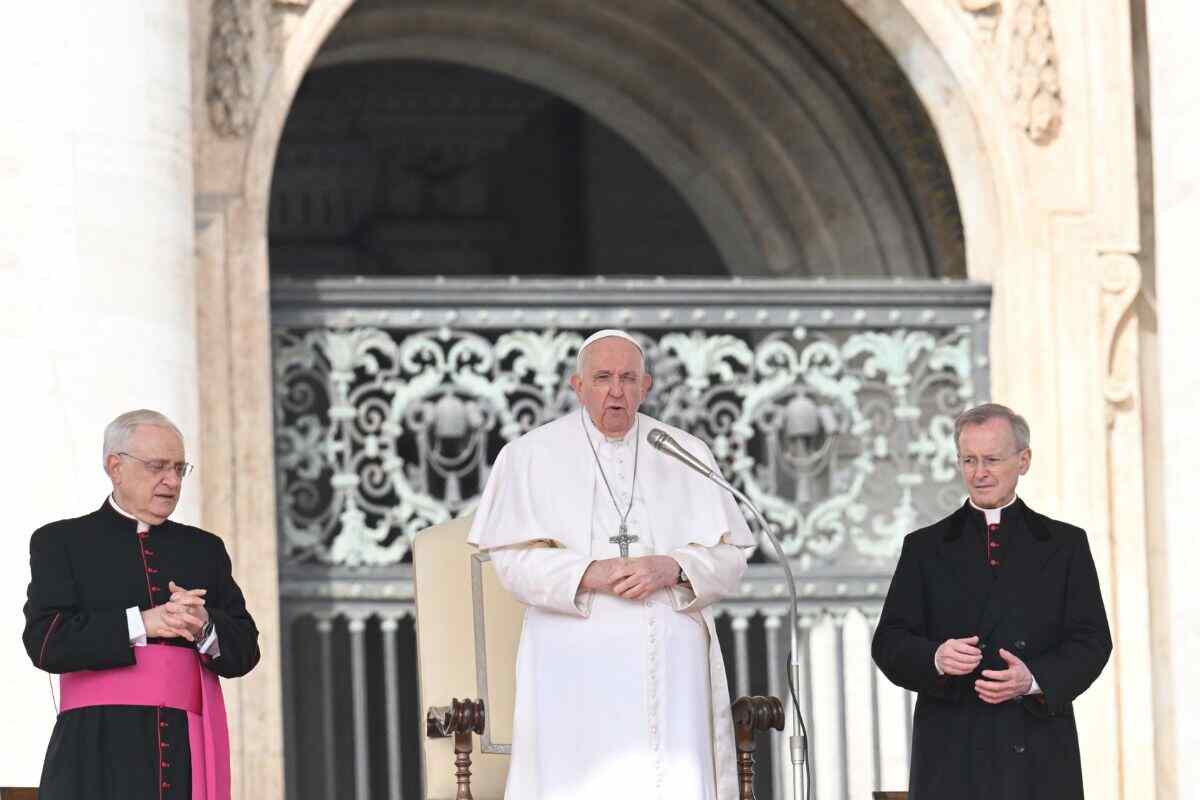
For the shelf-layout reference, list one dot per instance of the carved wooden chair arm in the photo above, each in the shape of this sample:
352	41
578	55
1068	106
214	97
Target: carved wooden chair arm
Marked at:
460	719
752	715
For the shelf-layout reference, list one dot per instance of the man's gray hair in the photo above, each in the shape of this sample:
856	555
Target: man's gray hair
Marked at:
119	431
981	414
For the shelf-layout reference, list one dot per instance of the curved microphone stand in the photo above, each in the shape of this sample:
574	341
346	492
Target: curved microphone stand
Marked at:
797	744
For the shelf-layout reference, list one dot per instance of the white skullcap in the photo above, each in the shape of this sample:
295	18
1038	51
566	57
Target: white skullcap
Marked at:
605	334
611	332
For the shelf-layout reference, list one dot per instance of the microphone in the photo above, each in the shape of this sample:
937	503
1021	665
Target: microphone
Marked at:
798	745
661	440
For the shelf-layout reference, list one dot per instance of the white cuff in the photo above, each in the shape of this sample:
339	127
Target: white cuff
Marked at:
1033	687
210	646
137	628
583	601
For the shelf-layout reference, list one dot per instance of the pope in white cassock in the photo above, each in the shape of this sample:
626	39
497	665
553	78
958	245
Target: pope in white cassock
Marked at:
621	689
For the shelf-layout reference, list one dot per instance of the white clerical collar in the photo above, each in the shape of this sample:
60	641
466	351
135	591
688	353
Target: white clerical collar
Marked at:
142	527
598	437
992	515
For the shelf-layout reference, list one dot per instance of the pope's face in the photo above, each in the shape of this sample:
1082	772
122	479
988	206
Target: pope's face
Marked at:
613	384
991	462
145	482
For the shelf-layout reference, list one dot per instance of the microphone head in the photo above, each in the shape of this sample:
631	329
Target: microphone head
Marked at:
657	438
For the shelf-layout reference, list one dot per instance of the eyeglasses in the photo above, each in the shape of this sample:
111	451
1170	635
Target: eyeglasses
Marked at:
971	463
158	466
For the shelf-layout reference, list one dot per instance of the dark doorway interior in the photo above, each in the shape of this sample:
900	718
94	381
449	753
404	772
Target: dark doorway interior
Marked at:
421	168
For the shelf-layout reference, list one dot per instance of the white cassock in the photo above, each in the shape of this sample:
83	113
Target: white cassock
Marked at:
615	698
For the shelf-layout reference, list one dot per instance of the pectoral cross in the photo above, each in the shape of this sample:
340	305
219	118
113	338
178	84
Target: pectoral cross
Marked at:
623	540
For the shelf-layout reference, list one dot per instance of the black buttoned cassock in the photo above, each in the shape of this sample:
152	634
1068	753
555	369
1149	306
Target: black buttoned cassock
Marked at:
1042	603
84	573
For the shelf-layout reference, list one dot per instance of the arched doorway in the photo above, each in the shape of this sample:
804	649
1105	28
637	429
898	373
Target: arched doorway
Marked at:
394	164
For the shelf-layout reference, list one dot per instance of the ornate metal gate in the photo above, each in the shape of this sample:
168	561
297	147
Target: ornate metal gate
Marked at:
830	404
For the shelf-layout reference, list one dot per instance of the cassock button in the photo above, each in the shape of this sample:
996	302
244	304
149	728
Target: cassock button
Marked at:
1019	644
1018	748
166	785
994	563
993	544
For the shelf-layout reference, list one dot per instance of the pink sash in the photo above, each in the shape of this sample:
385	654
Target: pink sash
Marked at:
170	677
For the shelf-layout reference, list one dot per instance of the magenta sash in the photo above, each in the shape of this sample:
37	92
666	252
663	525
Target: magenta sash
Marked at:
170	677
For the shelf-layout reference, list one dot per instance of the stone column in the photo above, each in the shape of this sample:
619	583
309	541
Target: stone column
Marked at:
96	276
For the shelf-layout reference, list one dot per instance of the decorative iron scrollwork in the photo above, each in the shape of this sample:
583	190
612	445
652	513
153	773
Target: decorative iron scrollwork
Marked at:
843	436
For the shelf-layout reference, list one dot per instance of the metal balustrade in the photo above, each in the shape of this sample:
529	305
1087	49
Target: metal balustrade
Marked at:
352	726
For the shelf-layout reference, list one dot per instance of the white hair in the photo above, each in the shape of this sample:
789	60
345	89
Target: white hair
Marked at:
119	431
609	333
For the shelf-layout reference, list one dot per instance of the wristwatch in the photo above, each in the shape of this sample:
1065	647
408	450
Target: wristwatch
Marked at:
205	632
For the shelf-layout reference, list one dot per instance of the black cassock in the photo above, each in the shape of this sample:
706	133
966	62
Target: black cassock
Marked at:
85	573
1041	602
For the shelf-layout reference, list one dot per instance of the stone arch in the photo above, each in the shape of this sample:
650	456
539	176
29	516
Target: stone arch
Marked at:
947	73
764	184
772	162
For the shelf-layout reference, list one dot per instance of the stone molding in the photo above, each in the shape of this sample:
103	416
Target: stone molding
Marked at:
1033	72
987	16
1033	81
230	77
1120	283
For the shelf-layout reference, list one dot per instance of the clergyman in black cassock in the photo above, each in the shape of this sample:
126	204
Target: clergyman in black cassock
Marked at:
90	578
995	619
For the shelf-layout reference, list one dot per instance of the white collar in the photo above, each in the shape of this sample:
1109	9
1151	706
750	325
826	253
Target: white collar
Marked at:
142	527
598	437
992	515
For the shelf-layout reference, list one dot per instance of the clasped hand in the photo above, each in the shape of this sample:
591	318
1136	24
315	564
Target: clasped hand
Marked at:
631	578
962	656
182	616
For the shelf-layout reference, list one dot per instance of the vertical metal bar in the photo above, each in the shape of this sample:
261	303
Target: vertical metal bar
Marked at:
392	703
741	653
772	622
872	620
839	630
358	672
325	636
291	758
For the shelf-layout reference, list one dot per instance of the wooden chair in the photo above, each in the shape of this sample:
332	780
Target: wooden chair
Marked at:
468	627
458	712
